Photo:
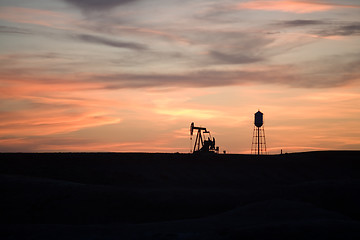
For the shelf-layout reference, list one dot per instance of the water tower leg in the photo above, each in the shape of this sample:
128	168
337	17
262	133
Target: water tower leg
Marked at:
258	141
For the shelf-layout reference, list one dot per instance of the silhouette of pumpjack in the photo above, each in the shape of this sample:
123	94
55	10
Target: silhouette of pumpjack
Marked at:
203	144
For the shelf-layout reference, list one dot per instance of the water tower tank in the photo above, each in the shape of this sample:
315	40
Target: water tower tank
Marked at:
259	119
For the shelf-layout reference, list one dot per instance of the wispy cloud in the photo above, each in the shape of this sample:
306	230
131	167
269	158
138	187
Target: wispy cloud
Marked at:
110	26
31	115
109	42
231	47
324	28
30	109
8	29
47	122
352	29
292	6
343	71
293	76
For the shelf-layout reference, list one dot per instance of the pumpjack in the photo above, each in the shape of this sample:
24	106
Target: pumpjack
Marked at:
203	142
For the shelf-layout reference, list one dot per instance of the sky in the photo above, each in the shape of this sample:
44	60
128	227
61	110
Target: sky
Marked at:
131	75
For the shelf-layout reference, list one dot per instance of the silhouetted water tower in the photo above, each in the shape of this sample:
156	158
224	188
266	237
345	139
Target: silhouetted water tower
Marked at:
258	145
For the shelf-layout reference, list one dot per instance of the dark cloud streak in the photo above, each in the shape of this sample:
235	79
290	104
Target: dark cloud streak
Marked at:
234	58
6	29
97	5
294	76
300	23
285	75
345	30
111	43
328	28
193	79
344	71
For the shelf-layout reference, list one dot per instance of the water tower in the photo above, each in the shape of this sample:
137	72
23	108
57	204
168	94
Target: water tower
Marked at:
258	145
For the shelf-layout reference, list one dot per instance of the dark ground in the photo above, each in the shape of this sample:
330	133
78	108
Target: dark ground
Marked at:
314	195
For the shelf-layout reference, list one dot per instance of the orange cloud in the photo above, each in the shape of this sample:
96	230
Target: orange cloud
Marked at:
40	122
107	147
291	6
33	107
19	83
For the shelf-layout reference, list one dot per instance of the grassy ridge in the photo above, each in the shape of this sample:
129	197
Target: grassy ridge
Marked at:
141	194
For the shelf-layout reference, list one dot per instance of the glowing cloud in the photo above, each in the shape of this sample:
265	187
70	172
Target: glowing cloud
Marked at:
290	6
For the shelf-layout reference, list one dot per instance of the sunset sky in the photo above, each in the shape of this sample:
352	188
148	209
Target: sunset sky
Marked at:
131	75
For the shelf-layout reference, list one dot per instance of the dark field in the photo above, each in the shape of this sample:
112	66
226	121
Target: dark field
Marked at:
314	195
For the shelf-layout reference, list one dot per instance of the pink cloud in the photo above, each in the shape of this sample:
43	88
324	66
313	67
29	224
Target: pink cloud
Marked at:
33	16
291	6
